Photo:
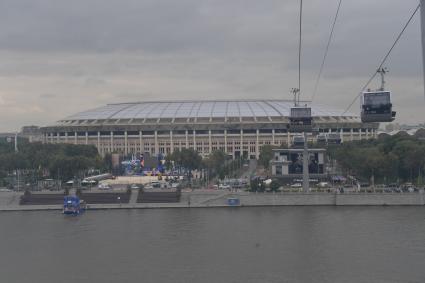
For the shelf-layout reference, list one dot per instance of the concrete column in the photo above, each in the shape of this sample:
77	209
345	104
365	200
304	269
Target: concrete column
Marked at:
58	137
360	133
423	35
209	141
125	142
171	142
98	141
306	175
289	138
194	140
233	151
351	134
341	134
187	140
66	137
156	143
75	137
367	133
111	146
241	141
273	138
87	137
225	141
141	147
257	144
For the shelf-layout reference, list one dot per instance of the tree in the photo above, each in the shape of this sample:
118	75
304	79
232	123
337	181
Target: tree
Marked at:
215	163
274	186
254	184
266	154
189	159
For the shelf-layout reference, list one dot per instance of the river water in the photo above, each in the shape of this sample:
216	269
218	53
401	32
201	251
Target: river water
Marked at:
264	244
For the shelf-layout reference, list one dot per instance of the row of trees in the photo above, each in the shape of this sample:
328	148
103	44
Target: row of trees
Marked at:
63	160
215	164
387	159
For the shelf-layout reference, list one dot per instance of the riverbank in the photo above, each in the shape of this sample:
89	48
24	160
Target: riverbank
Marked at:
9	201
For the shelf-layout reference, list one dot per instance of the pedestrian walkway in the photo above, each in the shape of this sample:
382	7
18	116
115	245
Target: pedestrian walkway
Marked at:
133	197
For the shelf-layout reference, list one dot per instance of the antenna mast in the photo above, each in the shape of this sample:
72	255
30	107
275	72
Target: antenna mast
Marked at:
382	71
296	92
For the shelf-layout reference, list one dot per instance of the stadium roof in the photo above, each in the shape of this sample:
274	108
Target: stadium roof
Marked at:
200	109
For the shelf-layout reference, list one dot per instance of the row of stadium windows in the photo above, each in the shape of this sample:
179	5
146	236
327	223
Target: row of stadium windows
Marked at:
191	132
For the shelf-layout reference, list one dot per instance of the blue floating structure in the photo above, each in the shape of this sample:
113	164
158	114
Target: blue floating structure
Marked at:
233	202
72	205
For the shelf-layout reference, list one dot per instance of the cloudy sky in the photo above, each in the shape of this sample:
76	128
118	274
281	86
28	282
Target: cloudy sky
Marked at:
61	57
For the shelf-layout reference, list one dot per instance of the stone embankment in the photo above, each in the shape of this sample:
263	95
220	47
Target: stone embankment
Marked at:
9	201
282	199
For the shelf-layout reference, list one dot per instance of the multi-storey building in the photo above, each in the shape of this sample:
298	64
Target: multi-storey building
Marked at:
237	127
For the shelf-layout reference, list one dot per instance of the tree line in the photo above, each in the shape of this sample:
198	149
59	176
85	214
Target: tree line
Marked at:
216	164
63	160
398	158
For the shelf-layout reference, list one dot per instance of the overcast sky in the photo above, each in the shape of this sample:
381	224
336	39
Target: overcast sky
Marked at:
61	57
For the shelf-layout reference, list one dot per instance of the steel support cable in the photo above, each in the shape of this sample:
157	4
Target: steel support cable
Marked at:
383	60
326	51
299	51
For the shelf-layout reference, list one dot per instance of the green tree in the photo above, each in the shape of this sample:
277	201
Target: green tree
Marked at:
189	159
274	186
392	158
266	154
254	184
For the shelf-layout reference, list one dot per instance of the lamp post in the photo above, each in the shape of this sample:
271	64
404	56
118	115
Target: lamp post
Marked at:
422	2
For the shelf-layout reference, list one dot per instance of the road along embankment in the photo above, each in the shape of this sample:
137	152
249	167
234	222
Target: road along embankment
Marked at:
287	199
199	199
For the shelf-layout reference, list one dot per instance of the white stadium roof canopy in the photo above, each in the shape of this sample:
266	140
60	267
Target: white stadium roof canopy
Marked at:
200	109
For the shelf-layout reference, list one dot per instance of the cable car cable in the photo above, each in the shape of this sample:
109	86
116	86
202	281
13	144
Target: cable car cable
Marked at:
326	51
299	51
383	60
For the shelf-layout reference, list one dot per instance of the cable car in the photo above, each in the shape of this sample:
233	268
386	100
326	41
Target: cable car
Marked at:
300	119
377	107
298	141
321	139
334	138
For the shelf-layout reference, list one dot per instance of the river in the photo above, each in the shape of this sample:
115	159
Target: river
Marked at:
258	244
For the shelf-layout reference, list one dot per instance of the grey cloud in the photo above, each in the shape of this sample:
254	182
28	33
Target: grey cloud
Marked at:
48	96
94	82
91	52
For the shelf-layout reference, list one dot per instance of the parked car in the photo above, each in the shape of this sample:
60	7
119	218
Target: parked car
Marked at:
388	190
104	186
134	187
224	187
397	190
296	185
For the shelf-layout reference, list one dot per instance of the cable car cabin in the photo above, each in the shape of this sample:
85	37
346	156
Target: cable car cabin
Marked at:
298	141
321	139
334	138
377	107
300	119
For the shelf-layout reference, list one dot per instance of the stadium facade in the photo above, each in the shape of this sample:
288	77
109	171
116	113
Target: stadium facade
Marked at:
237	127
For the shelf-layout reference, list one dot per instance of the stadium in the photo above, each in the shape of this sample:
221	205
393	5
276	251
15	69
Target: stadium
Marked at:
237	127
